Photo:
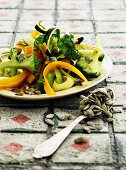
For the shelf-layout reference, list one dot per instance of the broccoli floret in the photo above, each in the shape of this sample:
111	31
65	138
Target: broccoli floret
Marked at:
67	47
40	83
53	44
30	63
38	42
91	65
13	56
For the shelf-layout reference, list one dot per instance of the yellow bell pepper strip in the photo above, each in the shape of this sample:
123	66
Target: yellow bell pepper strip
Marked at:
35	34
68	83
15	81
59	64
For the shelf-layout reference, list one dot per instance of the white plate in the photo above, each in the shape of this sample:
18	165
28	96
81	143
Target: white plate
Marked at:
106	69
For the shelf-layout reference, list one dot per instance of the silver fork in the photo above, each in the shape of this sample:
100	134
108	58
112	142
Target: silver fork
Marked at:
49	146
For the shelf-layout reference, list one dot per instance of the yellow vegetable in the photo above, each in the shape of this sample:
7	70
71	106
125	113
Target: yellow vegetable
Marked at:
59	64
15	81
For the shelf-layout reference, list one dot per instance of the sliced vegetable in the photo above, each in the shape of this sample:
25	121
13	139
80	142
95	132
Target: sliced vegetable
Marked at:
59	64
50	78
30	78
68	83
44	49
28	50
35	34
39	27
59	77
48	36
13	56
15	81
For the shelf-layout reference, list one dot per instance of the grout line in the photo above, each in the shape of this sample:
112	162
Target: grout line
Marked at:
17	22
92	18
124	3
55	13
114	147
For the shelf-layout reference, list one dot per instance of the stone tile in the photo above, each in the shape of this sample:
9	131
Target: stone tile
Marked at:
73	15
83	167
3	49
121	147
106	4
120	93
70	4
79	127
17	148
7	14
111	27
117	55
5	39
113	40
20	36
9	4
19	119
98	150
28	26
109	15
7	26
123	168
39	4
117	74
120	121
75	26
37	15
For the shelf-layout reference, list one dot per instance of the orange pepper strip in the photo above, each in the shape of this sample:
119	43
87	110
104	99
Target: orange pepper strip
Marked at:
30	78
43	49
28	50
15	81
56	64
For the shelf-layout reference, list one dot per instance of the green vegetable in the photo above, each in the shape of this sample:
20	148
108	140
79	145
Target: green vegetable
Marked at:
50	77
38	42
67	47
39	27
90	65
13	56
30	63
68	83
51	38
40	83
59	77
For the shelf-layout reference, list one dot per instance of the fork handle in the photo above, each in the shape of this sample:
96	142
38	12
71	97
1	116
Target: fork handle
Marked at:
49	146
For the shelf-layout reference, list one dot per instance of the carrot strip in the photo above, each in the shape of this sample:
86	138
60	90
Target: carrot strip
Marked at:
28	50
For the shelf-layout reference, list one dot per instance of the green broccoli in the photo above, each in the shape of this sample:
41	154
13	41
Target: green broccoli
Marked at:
40	83
13	56
30	63
38	42
67	47
53	44
91	65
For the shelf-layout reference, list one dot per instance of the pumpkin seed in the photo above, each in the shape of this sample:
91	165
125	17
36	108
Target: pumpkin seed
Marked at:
49	121
110	119
89	113
49	116
81	140
87	129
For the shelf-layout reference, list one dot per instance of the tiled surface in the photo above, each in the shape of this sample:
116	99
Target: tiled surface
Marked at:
21	123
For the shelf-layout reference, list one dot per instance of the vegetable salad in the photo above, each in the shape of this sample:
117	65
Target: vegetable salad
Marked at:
47	62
